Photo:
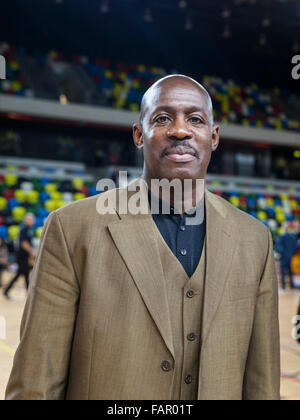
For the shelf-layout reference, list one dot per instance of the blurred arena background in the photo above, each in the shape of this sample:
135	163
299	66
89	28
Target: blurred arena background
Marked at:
75	75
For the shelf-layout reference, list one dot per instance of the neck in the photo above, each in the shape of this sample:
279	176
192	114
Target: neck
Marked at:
184	195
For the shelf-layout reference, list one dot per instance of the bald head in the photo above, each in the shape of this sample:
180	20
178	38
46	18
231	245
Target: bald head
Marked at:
170	82
29	219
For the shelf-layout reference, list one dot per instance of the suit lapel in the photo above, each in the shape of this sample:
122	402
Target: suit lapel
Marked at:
134	236
220	249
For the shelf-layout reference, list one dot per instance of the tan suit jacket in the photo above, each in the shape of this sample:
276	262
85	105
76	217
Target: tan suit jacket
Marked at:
97	324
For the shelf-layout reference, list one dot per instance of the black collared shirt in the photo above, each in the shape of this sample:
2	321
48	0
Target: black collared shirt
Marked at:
183	238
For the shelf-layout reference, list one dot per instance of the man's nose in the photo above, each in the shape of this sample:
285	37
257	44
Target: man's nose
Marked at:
179	130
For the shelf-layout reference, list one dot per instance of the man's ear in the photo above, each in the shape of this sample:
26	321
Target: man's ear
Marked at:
215	137
138	136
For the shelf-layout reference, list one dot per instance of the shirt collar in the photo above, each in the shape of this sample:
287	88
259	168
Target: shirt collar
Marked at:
169	209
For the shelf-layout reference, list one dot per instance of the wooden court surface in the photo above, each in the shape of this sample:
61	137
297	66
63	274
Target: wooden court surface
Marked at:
290	349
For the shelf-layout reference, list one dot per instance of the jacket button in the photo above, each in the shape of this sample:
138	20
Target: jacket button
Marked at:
190	294
188	380
191	336
166	366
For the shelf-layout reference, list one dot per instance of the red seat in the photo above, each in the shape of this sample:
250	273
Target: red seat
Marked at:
8	194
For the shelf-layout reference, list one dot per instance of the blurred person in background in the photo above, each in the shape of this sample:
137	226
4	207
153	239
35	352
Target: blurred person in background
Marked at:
3	258
228	161
115	175
298	322
281	168
263	164
296	266
286	247
25	254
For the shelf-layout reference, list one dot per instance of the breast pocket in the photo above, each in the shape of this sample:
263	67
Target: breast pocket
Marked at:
243	281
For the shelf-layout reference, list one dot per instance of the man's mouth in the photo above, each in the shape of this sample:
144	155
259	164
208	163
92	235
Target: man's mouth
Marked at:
180	154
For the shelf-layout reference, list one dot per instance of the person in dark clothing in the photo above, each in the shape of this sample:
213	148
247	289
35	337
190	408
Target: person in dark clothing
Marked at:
3	258
25	252
298	323
286	246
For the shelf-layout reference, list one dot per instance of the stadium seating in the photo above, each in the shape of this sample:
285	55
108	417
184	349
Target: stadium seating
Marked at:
122	86
15	83
40	196
249	106
273	210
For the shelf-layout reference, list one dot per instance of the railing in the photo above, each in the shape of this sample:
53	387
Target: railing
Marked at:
40	168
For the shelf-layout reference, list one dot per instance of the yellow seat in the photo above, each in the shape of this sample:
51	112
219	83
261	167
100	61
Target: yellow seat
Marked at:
50	205
33	197
55	196
78	183
262	215
235	201
50	188
280	217
11	180
38	232
3	203
18	214
79	196
20	195
13	232
59	204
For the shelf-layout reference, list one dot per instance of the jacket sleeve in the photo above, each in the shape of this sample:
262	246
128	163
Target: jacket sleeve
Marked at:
41	363
262	374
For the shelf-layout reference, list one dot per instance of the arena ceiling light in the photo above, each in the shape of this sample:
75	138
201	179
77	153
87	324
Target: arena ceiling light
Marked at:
226	13
63	99
188	26
182	4
104	7
266	23
148	16
262	40
227	32
296	47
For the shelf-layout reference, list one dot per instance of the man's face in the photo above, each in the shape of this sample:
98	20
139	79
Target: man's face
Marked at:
30	221
177	136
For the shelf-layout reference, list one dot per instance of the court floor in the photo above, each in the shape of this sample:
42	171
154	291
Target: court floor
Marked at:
12	311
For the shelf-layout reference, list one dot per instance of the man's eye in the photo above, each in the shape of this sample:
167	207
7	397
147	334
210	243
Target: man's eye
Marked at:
162	120
196	120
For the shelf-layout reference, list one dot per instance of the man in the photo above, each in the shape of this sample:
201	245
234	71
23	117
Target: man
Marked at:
286	246
128	306
298	324
25	252
3	258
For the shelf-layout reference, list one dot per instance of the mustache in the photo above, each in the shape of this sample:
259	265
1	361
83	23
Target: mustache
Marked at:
180	147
